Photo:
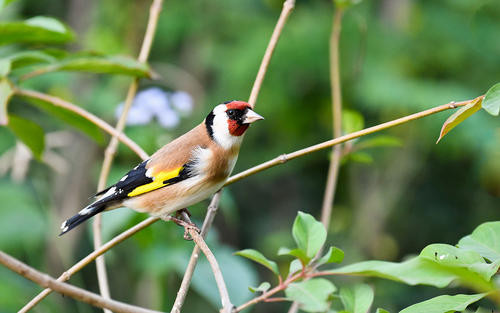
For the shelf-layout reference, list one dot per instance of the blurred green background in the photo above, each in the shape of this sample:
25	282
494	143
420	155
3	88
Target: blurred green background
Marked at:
397	57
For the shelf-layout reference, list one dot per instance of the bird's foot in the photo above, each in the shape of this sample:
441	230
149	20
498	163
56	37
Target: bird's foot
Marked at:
182	218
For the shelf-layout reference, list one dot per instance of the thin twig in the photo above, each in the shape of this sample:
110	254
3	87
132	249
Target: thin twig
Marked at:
227	306
271	292
333	170
85	114
89	258
192	230
83	295
154	14
330	143
288	6
188	273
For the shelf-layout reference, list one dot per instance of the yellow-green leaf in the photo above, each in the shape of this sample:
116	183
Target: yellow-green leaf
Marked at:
491	102
461	115
258	257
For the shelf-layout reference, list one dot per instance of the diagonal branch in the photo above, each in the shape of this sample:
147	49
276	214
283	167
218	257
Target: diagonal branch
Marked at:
330	143
85	114
66	289
154	14
89	258
188	274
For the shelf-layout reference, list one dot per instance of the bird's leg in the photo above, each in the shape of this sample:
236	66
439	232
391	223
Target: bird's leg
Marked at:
182	218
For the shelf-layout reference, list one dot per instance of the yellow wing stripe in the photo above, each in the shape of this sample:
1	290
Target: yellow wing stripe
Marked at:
158	180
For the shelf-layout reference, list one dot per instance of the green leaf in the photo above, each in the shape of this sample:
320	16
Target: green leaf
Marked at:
485	240
71	118
444	304
459	116
6	92
357	299
38	29
379	310
29	133
300	254
262	287
97	64
334	255
311	294
295	266
24	58
258	257
454	257
352	121
491	102
309	234
415	271
5	67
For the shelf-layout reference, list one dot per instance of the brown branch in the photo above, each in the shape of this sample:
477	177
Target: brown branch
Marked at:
188	274
227	306
85	114
282	286
67	289
330	143
154	14
89	258
192	230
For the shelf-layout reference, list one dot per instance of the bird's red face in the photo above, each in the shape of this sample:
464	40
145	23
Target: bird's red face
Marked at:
239	116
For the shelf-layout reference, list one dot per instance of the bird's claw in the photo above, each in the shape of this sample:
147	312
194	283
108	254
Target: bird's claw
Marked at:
182	218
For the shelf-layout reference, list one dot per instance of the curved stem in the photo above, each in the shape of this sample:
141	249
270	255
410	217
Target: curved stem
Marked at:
85	114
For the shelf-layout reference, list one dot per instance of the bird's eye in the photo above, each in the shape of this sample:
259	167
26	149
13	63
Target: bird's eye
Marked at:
231	113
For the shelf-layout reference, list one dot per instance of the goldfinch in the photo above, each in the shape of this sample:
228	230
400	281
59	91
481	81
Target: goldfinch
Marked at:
183	172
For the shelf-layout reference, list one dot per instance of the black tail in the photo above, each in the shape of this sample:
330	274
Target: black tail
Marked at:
82	216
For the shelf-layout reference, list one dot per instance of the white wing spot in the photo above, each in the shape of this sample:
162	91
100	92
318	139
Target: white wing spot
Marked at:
86	210
109	192
124	177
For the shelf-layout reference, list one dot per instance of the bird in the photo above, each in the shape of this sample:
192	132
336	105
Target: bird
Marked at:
185	171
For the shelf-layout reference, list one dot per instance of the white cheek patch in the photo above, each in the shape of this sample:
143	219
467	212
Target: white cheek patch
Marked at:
220	128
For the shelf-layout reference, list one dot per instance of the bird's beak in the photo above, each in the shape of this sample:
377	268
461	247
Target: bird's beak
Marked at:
251	117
